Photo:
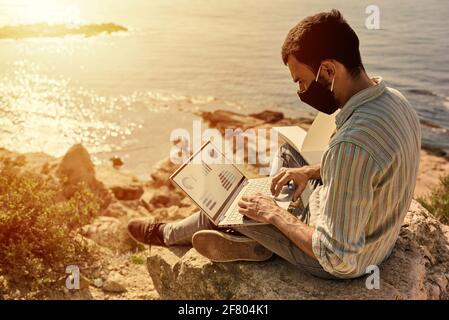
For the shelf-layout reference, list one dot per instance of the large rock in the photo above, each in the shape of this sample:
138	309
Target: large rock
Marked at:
268	116
115	283
76	169
111	233
128	192
161	172
417	269
123	184
225	119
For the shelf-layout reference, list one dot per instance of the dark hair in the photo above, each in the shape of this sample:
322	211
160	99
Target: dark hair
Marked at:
325	35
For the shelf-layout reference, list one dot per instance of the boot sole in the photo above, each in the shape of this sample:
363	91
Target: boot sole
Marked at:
221	247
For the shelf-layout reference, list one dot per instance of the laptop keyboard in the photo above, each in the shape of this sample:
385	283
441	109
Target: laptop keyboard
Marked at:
255	186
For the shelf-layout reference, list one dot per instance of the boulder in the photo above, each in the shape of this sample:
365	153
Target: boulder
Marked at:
161	172
224	119
123	184
126	209
268	116
114	283
111	233
75	169
127	192
164	197
418	268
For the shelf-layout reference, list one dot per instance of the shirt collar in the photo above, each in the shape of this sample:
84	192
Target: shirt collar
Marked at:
358	99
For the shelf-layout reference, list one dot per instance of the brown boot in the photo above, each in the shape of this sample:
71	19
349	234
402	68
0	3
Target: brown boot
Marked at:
143	231
222	247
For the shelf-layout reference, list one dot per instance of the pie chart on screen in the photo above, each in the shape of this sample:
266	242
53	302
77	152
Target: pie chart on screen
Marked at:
187	182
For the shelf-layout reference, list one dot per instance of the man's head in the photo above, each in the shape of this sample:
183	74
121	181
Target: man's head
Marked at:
324	40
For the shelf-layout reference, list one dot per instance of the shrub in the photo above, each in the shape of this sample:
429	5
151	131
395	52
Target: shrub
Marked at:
137	259
38	237
437	202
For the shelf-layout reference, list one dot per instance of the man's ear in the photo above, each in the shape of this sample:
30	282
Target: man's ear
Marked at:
328	68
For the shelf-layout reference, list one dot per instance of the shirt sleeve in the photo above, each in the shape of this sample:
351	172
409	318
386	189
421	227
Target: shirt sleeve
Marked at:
348	174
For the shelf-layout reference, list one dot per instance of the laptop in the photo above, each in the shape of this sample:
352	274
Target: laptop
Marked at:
216	185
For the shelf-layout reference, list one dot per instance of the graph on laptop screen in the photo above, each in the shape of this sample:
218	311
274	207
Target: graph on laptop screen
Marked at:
208	180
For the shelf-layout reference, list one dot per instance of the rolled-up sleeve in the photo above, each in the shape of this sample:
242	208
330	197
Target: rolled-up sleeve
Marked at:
348	173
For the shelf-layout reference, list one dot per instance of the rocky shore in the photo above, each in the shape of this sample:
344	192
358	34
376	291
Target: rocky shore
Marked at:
417	269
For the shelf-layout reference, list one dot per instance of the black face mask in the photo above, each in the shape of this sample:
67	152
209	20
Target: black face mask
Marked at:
319	97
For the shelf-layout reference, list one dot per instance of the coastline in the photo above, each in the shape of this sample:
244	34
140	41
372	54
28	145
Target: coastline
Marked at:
433	162
122	272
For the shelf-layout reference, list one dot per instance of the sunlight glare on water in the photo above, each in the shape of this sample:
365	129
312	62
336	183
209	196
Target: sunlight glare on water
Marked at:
36	11
128	90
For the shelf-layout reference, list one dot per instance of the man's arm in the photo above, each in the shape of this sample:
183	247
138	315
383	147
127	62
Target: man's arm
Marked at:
313	171
264	209
294	229
339	236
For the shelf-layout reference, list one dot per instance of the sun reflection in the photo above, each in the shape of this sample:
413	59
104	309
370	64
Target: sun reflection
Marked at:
39	112
43	11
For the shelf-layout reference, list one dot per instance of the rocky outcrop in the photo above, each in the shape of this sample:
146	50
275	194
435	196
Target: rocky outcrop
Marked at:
268	116
224	119
161	172
157	199
109	232
76	169
418	268
114	283
127	192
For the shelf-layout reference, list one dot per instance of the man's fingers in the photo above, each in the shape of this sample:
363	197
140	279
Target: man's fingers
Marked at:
246	212
243	204
282	182
298	192
276	178
275	183
248	198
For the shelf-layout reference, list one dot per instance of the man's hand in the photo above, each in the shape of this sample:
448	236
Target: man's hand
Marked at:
258	207
263	208
300	177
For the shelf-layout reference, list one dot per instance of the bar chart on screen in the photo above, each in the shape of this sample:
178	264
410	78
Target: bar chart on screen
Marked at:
208	200
205	168
227	178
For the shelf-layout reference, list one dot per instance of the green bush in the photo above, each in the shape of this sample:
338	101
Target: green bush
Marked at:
38	232
137	259
438	201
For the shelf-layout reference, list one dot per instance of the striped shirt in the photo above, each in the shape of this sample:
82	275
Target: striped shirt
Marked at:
369	173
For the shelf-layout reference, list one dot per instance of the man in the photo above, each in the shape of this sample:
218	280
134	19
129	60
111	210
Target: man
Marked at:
368	172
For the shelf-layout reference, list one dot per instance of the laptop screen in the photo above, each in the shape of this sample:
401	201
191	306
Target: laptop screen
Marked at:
208	179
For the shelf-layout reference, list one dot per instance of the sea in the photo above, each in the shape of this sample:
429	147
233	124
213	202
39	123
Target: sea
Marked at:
123	93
